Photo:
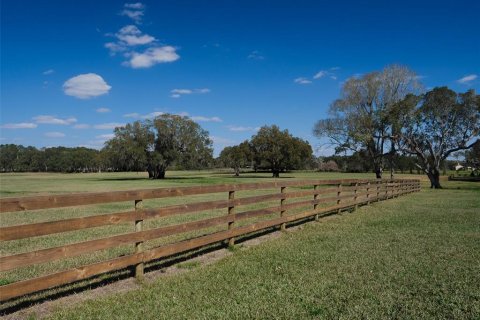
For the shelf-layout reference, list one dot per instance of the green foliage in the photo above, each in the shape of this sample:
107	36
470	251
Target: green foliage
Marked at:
17	158
236	157
362	118
279	150
436	124
154	145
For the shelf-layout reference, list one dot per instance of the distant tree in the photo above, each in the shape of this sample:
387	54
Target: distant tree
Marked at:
236	157
437	124
360	118
8	157
472	156
156	144
329	166
131	147
279	149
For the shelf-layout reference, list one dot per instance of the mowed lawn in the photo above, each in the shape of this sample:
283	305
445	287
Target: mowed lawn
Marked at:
416	256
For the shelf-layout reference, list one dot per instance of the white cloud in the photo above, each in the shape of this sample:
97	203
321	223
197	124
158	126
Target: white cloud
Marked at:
242	129
136	115
205	119
320	74
85	86
255	55
177	93
152	56
106	136
132	36
137	5
49	71
46	119
81	126
134	11
103	110
326	73
111	125
22	125
302	80
467	79
181	91
55	134
115	47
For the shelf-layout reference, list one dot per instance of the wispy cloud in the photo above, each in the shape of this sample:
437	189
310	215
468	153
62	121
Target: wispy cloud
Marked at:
46	119
22	125
467	79
103	110
108	126
136	115
47	72
330	73
85	86
242	129
302	80
55	134
205	119
177	93
255	55
134	11
326	73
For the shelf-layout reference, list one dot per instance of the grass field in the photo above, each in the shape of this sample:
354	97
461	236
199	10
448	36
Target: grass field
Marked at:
412	257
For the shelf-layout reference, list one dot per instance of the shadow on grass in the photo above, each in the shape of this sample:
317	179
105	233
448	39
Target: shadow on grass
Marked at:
17	304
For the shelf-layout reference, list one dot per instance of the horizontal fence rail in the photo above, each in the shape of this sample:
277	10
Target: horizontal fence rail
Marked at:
290	201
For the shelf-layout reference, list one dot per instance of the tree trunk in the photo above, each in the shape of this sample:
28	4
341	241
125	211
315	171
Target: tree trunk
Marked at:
276	173
434	176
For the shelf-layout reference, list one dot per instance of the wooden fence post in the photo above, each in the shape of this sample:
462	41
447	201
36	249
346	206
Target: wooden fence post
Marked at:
231	212
282	211
315	205
378	190
339	192
139	268
355	197
368	193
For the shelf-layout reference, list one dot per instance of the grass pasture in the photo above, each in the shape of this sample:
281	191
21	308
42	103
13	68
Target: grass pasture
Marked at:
411	257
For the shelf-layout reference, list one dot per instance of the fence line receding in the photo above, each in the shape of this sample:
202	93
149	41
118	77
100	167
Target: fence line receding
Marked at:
263	205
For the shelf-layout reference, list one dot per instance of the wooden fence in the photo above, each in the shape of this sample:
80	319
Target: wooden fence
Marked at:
293	200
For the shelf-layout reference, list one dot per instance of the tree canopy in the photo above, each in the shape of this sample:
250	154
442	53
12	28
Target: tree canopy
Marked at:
361	117
236	157
279	150
436	124
154	145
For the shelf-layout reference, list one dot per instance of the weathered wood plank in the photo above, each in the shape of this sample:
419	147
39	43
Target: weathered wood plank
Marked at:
77	199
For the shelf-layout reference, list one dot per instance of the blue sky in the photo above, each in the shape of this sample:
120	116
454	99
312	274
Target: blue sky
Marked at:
72	70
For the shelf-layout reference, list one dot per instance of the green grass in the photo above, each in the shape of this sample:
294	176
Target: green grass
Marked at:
412	257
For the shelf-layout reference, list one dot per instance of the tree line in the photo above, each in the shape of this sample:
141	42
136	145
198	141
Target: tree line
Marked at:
382	120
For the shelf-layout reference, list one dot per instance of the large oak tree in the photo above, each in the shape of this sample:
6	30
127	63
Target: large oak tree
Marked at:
279	149
361	117
154	145
436	124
